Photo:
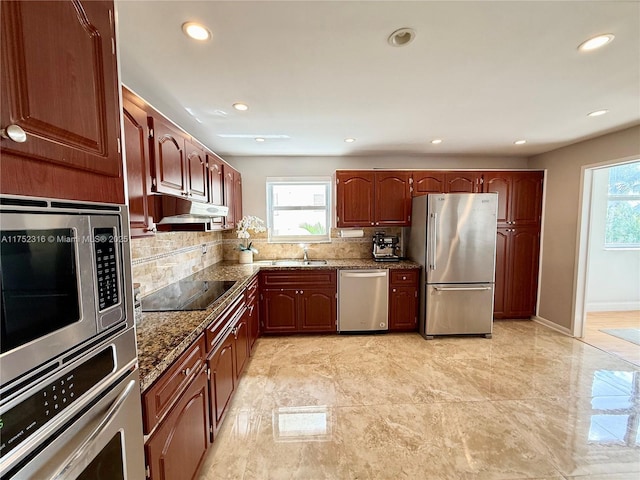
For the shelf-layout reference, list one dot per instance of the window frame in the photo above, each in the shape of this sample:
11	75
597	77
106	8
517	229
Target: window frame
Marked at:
617	197
326	181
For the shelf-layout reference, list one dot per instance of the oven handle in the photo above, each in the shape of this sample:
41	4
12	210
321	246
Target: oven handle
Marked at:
113	410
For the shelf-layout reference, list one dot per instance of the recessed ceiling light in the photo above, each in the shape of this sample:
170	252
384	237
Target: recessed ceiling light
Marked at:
436	141
596	42
196	31
241	106
259	139
349	140
401	37
597	113
520	142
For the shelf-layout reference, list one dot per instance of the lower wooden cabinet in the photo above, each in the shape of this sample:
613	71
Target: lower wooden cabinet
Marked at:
517	252
176	449
253	312
296	302
222	378
403	300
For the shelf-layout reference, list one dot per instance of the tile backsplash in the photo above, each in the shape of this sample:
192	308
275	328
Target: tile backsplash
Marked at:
170	256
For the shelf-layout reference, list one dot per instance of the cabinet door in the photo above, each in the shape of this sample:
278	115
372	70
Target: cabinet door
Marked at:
502	271
138	169
215	169
241	334
425	182
393	198
253	313
355	197
229	196
280	311
463	182
502	184
403	308
178	446
317	310
169	174
197	175
60	85
222	371
237	196
523	272
527	198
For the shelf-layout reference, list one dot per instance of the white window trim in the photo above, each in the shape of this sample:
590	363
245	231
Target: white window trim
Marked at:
300	180
621	246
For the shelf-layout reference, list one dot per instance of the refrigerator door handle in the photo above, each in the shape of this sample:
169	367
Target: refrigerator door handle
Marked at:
434	236
461	289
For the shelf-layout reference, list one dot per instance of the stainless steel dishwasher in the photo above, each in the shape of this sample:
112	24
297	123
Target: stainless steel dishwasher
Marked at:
363	300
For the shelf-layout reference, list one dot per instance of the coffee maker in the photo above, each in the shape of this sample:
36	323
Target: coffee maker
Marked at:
385	247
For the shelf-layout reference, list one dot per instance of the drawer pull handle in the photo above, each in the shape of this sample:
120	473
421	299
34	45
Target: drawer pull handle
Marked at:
186	372
15	133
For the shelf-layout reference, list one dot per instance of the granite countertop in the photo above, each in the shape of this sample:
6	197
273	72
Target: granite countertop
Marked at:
163	336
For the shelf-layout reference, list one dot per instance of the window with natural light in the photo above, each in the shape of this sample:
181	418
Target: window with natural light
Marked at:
623	207
299	209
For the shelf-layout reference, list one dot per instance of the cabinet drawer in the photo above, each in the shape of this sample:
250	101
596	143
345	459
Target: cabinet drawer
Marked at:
157	401
297	279
403	277
218	326
252	290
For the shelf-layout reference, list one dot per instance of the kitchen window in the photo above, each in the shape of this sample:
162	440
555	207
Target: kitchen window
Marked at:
299	209
623	207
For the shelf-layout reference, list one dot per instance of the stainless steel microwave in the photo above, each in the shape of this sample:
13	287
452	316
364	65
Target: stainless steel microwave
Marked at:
65	275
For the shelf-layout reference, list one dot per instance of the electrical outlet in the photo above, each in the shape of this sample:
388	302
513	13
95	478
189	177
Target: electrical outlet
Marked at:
204	248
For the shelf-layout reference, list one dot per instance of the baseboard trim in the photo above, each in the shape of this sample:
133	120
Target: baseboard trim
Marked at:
612	306
552	325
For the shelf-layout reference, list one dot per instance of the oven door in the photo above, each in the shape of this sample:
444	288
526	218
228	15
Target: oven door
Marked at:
104	442
54	295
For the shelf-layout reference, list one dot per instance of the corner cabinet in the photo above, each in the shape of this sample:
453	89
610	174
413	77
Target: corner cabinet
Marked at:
70	117
366	198
403	300
298	301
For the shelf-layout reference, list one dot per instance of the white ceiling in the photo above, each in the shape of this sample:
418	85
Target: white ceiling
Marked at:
478	75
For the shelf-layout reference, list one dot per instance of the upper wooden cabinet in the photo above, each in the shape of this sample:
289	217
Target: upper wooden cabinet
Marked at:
462	182
425	182
519	196
136	146
168	157
197	176
232	196
215	172
60	86
373	198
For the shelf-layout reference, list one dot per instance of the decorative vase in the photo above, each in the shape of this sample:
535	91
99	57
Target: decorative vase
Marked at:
246	256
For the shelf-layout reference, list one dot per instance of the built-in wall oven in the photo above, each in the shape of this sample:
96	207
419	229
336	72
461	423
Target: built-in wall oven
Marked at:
69	388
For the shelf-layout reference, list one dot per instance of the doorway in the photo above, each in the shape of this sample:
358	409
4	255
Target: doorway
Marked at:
607	312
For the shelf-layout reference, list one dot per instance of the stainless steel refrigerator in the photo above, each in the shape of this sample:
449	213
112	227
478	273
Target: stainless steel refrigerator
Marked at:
453	237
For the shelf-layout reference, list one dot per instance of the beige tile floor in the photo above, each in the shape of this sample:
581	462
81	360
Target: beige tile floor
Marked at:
528	403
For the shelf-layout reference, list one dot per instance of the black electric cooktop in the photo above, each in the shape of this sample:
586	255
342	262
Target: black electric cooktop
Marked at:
186	295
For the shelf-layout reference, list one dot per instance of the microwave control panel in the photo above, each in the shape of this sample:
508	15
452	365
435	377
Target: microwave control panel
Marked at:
107	267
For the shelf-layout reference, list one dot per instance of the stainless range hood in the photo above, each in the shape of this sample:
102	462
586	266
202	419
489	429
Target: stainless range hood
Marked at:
175	210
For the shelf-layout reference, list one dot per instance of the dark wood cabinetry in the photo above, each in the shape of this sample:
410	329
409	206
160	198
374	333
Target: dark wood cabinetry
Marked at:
518	241
197	175
373	198
463	182
176	412
222	372
403	300
517	257
136	146
60	86
215	171
425	182
232	196
177	448
253	312
168	156
295	302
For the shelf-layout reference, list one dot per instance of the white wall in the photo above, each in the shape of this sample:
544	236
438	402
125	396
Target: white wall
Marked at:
560	234
255	170
613	275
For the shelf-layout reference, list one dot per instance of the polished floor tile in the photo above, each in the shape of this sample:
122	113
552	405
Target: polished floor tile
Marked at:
530	403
